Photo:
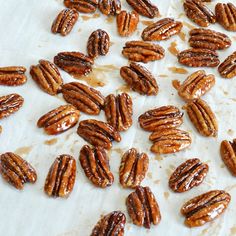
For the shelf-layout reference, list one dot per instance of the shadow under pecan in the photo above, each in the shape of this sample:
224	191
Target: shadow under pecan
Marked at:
109	7
16	171
227	68
84	6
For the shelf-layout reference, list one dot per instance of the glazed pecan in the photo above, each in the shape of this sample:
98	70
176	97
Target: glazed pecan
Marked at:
61	177
95	164
47	76
12	75
109	7
162	117
143	208
199	13
85	6
227	68
140	51
16	171
111	224
205	208
202	118
119	110
98	133
139	79
59	120
9	104
162	29
83	97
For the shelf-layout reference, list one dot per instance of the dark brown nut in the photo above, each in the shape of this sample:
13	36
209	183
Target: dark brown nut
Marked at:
16	171
109	7
83	97
98	133
47	76
84	6
199	13
140	51
202	118
119	110
199	57
227	68
162	117
10	104
59	120
111	224
139	79
226	15
12	75
61	177
95	164
143	208
205	208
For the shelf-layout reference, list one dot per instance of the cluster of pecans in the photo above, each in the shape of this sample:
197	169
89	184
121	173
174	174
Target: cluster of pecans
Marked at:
163	122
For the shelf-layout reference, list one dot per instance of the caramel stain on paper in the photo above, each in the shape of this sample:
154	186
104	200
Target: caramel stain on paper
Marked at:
149	175
158	158
173	49
0	129
68	136
163	76
79	30
87	17
110	19
119	151
23	150
177	70
230	132
166	195
188	25
182	36
176	84
51	142
147	22
111	44
124	88
233	231
157	181
181	15
222	165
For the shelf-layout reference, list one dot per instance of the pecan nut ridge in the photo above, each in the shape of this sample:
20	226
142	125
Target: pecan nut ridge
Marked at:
227	68
84	6
109	7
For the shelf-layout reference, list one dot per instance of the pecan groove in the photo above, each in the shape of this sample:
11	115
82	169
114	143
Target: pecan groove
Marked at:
109	7
84	6
227	68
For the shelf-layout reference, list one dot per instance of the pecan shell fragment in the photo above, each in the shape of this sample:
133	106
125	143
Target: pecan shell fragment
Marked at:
84	6
227	68
109	7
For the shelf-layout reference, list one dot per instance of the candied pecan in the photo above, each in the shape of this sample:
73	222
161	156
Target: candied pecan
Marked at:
61	177
140	79
205	207
227	68
16	171
83	97
109	7
98	133
59	120
85	6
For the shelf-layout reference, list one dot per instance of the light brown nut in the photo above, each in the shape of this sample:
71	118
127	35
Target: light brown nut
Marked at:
59	120
84	6
16	171
109	7
10	104
12	75
143	208
47	76
205	208
202	118
161	117
83	97
226	15
61	177
140	51
189	174
227	68
119	110
98	133
95	164
139	79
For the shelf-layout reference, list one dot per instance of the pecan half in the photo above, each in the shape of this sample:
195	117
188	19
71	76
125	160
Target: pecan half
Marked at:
202	118
143	208
140	51
110	224
84	6
119	110
47	76
162	29
205	208
16	171
95	164
139	79
12	75
109	7
199	57
61	177
98	133
227	68
83	97
59	120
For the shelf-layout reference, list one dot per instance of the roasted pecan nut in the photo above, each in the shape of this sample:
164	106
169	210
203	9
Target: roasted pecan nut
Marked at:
111	224
202	118
10	104
61	177
162	117
85	6
140	51
16	171
95	164
205	208
109	7
98	133
59	120
143	208
227	68
47	76
12	75
139	79
83	97
119	110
